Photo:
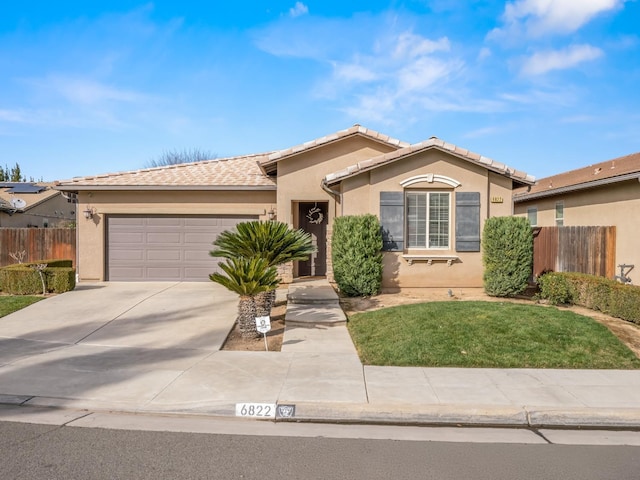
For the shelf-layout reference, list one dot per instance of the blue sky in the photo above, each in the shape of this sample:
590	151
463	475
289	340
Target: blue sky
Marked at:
92	87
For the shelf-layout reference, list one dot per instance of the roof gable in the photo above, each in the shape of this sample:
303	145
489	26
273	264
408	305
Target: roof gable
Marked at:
603	173
270	162
432	143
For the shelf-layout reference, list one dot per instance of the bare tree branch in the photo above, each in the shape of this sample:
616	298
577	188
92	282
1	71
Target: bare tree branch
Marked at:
176	157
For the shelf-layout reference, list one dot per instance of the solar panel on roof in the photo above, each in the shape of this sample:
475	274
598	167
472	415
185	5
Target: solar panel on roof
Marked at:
27	188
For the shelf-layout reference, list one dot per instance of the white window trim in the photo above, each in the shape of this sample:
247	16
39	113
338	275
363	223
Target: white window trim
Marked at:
430	178
426	248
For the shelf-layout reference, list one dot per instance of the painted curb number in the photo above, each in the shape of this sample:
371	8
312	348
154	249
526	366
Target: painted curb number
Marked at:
256	410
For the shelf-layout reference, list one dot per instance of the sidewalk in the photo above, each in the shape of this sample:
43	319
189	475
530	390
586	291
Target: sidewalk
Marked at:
318	373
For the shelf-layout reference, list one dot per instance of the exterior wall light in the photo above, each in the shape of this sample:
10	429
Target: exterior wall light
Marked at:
271	214
89	212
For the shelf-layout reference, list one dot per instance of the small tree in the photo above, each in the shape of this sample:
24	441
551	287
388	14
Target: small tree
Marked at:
507	246
176	157
13	174
247	277
356	247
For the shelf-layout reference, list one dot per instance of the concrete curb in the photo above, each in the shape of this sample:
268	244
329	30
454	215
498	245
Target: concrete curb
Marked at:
471	416
367	414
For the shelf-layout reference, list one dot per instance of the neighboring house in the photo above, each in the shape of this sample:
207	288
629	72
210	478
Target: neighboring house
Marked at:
432	199
604	194
29	204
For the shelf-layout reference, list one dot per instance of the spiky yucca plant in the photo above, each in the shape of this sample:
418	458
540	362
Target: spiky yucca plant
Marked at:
273	241
247	277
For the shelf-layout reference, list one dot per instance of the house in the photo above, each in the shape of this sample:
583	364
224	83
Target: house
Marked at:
432	199
604	194
29	204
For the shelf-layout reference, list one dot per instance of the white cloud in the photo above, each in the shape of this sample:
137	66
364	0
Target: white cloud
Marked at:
484	53
543	62
579	119
484	132
539	17
13	116
410	45
404	71
354	73
85	91
298	9
425	72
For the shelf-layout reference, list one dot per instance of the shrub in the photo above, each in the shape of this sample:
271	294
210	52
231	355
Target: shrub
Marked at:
556	288
507	246
596	293
50	263
356	247
24	280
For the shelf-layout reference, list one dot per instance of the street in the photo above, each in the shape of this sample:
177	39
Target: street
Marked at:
300	451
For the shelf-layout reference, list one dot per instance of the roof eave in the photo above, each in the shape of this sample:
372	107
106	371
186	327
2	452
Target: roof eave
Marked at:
573	188
85	188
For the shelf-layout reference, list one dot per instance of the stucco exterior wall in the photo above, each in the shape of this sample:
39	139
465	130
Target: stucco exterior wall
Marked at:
616	204
92	247
361	194
299	176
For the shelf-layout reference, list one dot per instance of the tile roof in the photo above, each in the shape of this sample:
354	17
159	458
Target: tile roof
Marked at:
612	171
31	198
275	157
433	142
235	173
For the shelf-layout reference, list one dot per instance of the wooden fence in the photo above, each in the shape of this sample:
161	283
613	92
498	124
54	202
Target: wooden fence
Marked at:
38	243
589	250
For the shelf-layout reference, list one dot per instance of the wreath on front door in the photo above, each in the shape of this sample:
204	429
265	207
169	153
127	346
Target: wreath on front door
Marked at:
315	215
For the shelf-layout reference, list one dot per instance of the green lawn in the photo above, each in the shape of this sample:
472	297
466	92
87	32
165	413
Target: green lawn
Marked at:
486	334
10	303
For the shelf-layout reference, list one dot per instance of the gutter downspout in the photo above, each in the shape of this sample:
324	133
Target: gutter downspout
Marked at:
336	195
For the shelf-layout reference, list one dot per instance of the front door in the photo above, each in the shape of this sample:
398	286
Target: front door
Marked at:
313	220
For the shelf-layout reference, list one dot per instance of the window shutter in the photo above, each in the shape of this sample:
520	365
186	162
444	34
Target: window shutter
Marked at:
467	221
392	220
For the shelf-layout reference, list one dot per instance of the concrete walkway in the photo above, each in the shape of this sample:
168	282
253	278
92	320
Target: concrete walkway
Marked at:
154	348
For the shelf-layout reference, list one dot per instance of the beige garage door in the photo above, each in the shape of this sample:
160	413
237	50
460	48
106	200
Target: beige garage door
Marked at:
147	248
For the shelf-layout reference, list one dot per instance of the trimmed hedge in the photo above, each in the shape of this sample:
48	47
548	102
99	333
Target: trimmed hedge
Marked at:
21	279
50	263
356	247
590	291
507	254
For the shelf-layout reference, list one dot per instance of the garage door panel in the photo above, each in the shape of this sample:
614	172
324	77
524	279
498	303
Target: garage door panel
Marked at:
116	222
123	273
164	247
134	238
166	238
164	222
203	222
197	256
200	238
194	274
127	254
164	255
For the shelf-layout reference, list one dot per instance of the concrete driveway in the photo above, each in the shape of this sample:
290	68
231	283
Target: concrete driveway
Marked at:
112	342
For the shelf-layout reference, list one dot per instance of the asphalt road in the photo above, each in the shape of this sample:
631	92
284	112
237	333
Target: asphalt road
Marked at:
54	452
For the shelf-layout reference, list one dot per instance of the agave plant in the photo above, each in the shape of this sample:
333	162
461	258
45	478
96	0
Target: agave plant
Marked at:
247	277
274	242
